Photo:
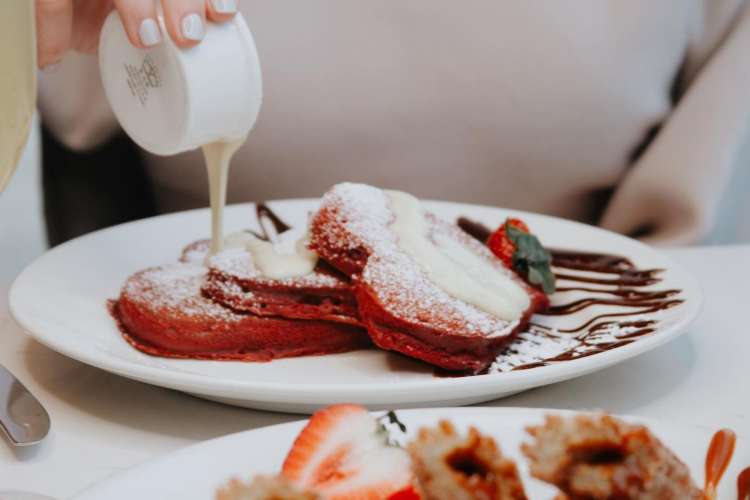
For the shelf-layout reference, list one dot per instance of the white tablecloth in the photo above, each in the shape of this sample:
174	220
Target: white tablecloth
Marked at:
102	423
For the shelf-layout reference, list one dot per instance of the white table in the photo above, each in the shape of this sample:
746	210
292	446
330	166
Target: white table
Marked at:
103	423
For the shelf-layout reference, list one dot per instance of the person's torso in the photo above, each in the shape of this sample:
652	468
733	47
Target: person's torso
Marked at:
530	105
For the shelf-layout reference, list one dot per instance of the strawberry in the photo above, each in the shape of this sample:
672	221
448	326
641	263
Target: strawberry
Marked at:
344	454
501	245
522	252
408	493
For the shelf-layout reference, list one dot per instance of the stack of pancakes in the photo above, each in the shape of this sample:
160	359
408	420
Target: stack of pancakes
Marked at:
364	289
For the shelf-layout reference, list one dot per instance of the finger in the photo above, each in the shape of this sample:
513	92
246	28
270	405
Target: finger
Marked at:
139	19
54	22
88	18
220	11
185	20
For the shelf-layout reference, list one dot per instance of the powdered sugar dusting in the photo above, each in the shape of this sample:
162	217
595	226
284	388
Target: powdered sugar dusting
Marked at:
540	346
175	288
227	288
532	347
196	252
234	261
399	282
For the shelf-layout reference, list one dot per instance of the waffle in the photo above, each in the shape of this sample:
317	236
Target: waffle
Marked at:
450	466
600	457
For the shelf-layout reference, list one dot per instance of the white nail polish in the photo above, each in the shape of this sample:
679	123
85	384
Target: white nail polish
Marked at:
192	27
224	6
149	32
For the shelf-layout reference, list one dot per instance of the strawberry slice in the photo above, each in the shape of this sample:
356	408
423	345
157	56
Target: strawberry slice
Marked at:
408	493
344	454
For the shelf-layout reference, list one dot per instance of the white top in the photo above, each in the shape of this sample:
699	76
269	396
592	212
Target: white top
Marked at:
102	423
534	105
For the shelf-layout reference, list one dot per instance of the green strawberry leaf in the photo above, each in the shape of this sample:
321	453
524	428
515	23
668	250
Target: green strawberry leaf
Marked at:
531	259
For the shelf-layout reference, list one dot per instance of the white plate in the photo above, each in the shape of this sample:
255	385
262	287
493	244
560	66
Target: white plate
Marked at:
60	300
195	472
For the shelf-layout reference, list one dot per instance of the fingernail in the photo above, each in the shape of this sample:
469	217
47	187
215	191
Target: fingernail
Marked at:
149	32
192	27
224	6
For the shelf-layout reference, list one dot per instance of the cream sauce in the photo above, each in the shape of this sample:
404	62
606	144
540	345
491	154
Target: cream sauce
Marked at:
285	257
17	82
276	260
218	155
453	267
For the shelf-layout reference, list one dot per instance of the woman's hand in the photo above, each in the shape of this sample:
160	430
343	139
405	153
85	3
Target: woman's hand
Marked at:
64	25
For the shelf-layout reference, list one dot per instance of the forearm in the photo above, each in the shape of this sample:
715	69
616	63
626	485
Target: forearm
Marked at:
675	187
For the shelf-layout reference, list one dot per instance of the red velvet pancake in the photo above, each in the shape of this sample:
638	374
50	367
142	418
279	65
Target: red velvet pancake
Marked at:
324	294
401	307
162	312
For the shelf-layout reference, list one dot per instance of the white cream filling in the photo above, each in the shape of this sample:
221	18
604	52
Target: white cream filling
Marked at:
451	266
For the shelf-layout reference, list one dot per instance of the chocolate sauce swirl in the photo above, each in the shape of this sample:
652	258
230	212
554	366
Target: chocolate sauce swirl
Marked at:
606	280
264	212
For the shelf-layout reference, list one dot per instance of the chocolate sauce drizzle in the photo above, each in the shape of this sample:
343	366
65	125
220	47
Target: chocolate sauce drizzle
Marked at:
264	213
607	280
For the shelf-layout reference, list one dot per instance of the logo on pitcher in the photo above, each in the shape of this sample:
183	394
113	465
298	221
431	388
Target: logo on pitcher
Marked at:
150	73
